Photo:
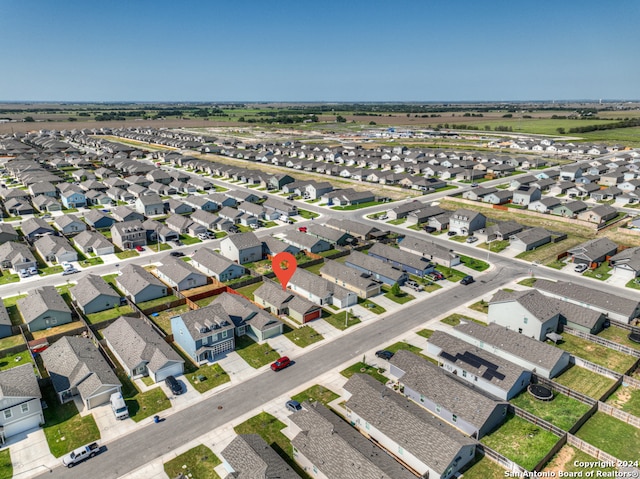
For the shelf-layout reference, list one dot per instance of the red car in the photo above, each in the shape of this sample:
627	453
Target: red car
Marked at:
139	248
302	229
281	363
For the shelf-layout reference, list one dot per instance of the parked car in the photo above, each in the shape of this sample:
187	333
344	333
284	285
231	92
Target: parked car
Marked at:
580	268
302	229
202	236
69	271
467	280
436	276
293	406
430	229
24	273
383	217
177	254
281	363
413	285
173	385
211	235
81	454
452	233
384	354
33	270
139	248
177	243
473	185
471	239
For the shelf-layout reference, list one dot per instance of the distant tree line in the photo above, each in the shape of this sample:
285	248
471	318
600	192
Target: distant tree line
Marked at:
606	126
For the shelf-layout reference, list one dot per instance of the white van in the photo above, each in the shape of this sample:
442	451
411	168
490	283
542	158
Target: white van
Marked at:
118	406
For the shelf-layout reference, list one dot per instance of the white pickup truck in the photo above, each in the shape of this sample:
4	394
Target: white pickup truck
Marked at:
82	453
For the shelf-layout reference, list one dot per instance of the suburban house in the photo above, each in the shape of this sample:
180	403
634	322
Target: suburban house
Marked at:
378	269
527	312
129	234
544	205
503	231
277	301
184	225
422	215
477	194
616	308
330	235
214	264
20	399
539	357
360	283
76	367
204	333
141	350
569	209
498	197
98	220
525	195
248	455
626	262
599	214
530	239
306	242
5	322
126	214
320	291
249	318
460	405
140	285
488	372
179	274
69	224
242	248
465	222
56	249
411	263
93	294
403	210
416	438
73	197
16	256
35	227
327	447
594	252
205	218
44	308
432	251
93	242
8	233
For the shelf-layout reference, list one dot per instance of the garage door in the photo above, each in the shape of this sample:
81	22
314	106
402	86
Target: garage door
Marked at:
24	424
171	370
101	398
312	316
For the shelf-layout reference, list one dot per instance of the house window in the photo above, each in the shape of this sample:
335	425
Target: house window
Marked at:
24	407
526	320
367	426
437	408
520	330
224	334
421	398
454	418
7	413
400	450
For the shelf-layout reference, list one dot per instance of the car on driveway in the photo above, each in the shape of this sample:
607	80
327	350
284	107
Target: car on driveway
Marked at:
293	406
414	285
580	268
281	363
174	386
139	248
69	271
471	239
452	233
429	229
436	276
384	354
177	254
467	280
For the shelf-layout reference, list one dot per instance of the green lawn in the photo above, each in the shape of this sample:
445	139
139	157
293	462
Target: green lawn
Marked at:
316	393
197	462
495	246
568	459
307	215
399	221
163	319
88	262
206	301
303	336
556	264
16	359
50	270
474	263
12	309
627	399
112	313
207	377
6	467
256	355
6	277
481	306
618	335
596	353
402	298
425	333
451	274
528	282
153	246
142	405
584	381
363	368
315	269
130	253
11	341
483	468
249	290
521	441
633	283
601	272
188	240
337	320
455	318
562	411
605	432
64	429
371	306
395	347
156	302
270	429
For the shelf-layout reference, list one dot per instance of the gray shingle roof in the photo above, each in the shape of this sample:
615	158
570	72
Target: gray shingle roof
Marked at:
375	265
5	320
503	374
244	240
352	227
33	224
242	311
40	301
531	300
19	382
515	343
339	450
51	244
444	389
90	287
629	257
176	269
350	276
330	234
252	458
135	342
135	278
91	239
301	240
430	440
532	235
212	260
317	285
212	317
401	257
594	249
273	293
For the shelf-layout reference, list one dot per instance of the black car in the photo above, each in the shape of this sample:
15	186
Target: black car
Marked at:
384	354
429	229
452	233
173	385
177	254
467	280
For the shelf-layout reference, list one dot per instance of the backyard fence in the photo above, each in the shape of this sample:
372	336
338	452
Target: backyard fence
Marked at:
603	342
631	382
593	451
556	387
536	421
596	368
619	414
503	461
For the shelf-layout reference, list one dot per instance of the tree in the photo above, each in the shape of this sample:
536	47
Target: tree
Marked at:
395	289
372	123
341	119
560	131
29	119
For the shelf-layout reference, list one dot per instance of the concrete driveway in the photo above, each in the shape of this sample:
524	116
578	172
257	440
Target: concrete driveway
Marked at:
237	368
109	426
30	454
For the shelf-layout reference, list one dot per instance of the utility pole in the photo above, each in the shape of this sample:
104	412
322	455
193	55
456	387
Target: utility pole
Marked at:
346	318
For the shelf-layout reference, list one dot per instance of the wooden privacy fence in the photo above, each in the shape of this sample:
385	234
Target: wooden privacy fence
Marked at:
603	342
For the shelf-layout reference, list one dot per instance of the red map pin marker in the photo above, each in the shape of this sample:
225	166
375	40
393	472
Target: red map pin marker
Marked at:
290	265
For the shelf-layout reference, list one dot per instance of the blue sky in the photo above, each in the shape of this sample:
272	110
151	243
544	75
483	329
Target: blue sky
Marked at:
349	50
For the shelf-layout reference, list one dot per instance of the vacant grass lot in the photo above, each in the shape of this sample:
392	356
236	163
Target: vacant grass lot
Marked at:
521	441
550	251
270	429
363	368
64	429
584	381
627	399
303	336
196	462
605	432
596	353
562	411
316	393
256	355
